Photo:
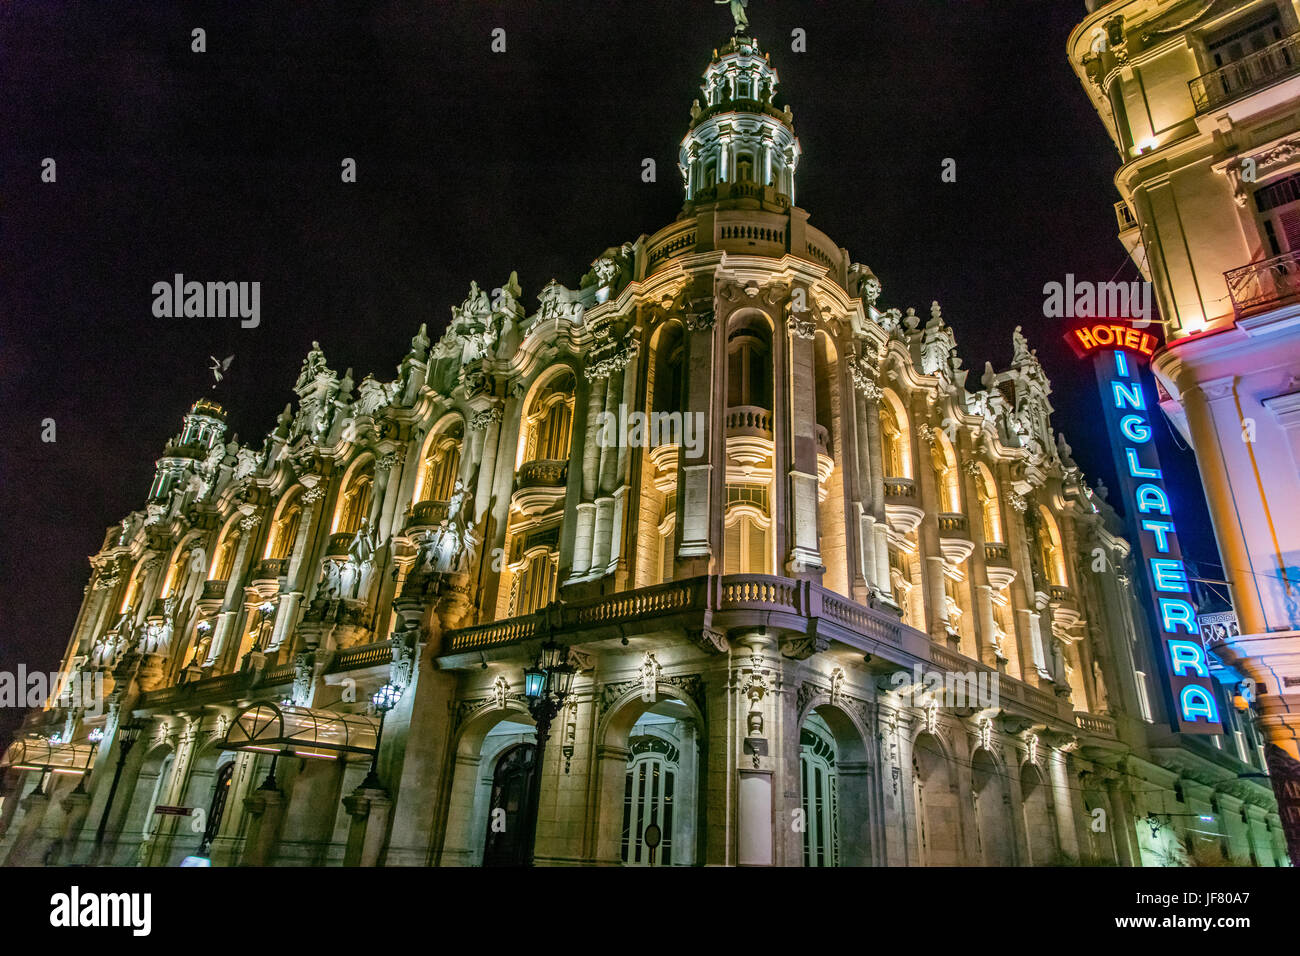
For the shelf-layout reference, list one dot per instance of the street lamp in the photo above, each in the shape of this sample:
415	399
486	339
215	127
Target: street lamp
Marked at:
127	735
383	700
547	684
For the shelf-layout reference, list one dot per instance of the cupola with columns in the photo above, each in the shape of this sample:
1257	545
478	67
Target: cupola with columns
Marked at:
740	146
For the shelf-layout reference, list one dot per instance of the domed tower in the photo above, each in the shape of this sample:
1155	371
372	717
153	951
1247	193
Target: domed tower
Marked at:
741	149
751	350
202	428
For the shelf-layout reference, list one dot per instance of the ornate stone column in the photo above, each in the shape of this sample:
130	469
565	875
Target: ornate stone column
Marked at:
804	556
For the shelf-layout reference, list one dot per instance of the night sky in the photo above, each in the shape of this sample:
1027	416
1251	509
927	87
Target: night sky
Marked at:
225	165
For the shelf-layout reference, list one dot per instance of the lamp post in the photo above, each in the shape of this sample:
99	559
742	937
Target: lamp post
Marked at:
547	684
127	735
383	700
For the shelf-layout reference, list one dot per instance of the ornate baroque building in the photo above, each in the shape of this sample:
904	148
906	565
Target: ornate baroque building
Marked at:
821	513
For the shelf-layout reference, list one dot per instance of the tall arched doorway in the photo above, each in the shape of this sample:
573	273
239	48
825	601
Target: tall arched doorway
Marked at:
510	810
1039	827
992	811
659	788
937	811
817	774
650	799
649	771
835	790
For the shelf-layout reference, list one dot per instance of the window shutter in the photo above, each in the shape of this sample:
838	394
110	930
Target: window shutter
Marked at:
757	550
731	555
1289	219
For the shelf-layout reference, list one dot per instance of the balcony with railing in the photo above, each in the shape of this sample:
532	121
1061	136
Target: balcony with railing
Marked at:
749	421
426	514
902	505
1261	286
1251	73
539	485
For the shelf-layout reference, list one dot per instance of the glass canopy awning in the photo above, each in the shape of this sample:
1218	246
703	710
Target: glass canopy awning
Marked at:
37	753
301	731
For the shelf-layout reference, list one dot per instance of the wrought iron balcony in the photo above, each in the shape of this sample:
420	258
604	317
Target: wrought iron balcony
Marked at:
1241	77
1259	286
214	590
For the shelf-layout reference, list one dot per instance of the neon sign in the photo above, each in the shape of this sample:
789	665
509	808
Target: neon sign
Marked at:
1111	335
1193	705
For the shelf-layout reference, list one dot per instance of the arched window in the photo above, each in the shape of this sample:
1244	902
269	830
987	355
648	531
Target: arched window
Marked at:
223	563
1051	553
668	538
132	596
355	503
749	367
176	573
442	466
548	423
748	545
945	474
533	582
745	164
990	507
894	439
284	532
667	380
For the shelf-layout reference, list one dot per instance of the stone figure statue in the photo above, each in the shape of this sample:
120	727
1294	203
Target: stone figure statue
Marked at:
331	583
454	546
737	13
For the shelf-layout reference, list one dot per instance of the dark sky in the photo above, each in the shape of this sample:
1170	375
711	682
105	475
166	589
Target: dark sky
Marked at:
225	165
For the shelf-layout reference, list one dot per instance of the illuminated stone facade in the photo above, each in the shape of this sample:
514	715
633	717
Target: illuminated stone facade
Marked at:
1200	98
757	504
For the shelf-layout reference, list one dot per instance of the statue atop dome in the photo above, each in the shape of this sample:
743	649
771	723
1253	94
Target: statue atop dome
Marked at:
738	13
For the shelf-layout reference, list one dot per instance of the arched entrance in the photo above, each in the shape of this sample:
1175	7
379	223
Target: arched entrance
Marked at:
510	808
835	789
817	775
650	800
659	787
937	812
1039	829
992	811
649	773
